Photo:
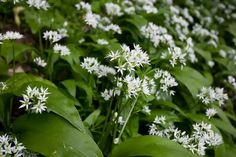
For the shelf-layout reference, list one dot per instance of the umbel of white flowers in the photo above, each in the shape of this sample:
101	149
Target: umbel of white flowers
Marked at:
201	138
35	99
10	146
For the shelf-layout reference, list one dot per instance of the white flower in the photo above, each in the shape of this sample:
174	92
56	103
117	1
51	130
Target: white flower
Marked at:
107	94
120	120
92	66
113	9
133	85
232	81
116	140
211	63
102	42
210	112
166	81
177	56
92	19
156	34
146	110
3	86
35	99
62	50
40	62
10	35
9	146
83	5
160	120
39	4
52	36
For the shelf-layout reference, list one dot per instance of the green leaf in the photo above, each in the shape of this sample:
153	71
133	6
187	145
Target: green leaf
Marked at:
70	86
150	146
52	136
191	78
92	118
57	102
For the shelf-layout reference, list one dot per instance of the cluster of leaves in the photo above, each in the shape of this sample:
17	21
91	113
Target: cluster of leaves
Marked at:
122	64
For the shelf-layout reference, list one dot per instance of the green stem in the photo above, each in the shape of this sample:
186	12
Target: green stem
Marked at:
127	119
108	114
40	42
14	62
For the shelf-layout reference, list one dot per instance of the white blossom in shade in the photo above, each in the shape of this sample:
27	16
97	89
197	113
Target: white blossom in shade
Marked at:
128	58
35	99
149	9
11	35
62	50
40	62
92	19
113	9
116	140
112	27
133	85
211	63
201	138
232	81
10	146
39	4
210	112
3	86
146	110
84	6
177	56
190	50
210	95
90	64
156	34
63	32
107	94
93	66
222	53
52	36
166	81
160	120
102	42
128	7
120	120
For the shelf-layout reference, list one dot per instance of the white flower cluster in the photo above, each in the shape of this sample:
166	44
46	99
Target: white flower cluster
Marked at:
190	52
55	36
96	20
93	66
146	110
147	6
102	42
180	18
156	34
11	35
3	86
35	99
14	1
128	58
201	138
39	4
166	81
62	50
9	146
203	32
210	112
40	62
232	81
211	95
227	9
113	9
52	36
176	56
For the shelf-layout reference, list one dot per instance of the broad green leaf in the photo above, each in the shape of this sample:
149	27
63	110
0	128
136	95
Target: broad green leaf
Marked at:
205	54
191	78
232	29
7	50
230	150
70	86
137	20
92	118
150	146
57	102
52	136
